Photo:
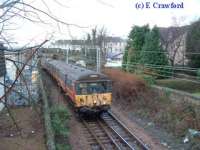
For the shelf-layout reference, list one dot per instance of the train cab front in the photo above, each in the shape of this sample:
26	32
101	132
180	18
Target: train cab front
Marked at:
93	97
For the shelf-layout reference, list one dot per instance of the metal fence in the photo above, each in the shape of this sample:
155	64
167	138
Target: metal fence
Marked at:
2	61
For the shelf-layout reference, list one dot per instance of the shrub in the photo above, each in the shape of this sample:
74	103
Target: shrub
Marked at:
149	79
62	147
59	119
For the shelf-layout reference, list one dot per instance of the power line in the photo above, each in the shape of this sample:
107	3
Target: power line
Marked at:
170	76
186	53
164	71
167	67
191	69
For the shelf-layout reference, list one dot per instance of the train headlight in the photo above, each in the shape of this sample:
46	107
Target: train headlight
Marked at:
104	102
95	101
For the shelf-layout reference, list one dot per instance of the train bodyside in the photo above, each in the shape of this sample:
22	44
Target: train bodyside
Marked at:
89	91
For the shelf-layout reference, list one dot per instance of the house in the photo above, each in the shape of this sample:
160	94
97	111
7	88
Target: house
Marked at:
111	44
72	45
115	44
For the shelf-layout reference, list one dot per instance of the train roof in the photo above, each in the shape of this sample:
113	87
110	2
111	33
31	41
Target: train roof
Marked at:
77	72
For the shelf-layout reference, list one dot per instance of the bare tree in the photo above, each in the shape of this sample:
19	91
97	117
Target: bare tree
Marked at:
172	40
10	11
101	42
20	9
98	39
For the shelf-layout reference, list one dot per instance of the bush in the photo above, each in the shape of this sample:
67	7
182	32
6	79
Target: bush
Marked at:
62	147
149	79
59	119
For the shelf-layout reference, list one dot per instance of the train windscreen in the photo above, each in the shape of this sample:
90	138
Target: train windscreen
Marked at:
93	87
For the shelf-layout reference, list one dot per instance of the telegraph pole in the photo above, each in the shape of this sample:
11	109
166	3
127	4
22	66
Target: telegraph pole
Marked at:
67	59
98	57
97	60
3	72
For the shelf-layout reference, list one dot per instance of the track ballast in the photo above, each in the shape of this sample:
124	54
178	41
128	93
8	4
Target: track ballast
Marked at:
107	132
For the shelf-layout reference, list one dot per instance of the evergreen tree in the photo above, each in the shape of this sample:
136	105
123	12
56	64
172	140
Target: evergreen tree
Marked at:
124	60
152	53
193	44
134	46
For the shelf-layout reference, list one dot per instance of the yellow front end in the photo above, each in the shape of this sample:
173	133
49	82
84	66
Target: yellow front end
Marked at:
93	100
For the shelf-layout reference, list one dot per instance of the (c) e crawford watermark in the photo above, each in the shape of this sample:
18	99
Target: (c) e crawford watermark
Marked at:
157	5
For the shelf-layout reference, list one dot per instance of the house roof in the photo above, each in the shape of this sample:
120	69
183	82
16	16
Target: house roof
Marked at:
172	33
114	39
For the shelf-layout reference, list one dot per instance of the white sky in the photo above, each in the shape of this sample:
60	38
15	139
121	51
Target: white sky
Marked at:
118	17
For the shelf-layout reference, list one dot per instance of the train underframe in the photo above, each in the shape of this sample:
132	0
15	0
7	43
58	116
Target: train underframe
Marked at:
92	110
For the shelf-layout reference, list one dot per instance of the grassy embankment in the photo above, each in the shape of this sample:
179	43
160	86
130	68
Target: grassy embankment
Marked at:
182	85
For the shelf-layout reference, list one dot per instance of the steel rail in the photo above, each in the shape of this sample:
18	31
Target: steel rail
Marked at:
139	142
113	141
93	134
122	139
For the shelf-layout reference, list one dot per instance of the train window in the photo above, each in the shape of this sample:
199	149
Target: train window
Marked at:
109	86
98	87
93	87
83	88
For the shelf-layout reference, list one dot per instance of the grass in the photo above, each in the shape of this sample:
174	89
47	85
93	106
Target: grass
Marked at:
182	85
197	94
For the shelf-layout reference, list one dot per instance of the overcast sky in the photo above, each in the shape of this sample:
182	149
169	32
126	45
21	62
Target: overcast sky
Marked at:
118	16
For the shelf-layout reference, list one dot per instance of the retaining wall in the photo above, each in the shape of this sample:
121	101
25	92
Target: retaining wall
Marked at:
176	95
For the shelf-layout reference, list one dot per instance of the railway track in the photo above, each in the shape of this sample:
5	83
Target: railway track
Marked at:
106	132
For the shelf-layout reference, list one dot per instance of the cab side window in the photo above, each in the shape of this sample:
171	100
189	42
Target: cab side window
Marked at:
69	83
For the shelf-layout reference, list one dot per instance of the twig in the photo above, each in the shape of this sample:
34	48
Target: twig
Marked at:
9	89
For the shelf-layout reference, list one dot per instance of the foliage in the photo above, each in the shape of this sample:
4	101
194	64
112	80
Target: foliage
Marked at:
141	41
134	46
193	44
132	59
152	53
137	37
59	118
149	79
62	147
174	116
124	61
